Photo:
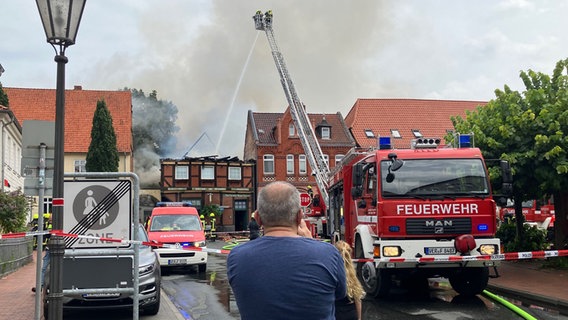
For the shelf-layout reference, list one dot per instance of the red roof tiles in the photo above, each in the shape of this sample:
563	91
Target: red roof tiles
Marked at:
431	117
80	105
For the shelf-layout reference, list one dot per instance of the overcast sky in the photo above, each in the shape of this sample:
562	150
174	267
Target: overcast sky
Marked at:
195	53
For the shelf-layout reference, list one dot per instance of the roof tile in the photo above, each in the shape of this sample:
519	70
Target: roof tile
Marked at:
431	117
80	106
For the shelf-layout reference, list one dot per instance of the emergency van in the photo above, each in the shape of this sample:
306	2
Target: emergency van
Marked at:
178	223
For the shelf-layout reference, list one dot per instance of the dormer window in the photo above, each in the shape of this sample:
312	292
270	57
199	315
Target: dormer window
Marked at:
369	133
324	129
326	133
416	133
291	130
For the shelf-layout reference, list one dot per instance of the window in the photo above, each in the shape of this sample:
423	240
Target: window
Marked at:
416	133
338	158
290	164
302	168
182	173
240	205
326	159
291	130
234	173
195	202
207	172
47	205
80	165
369	133
326	133
396	134
268	164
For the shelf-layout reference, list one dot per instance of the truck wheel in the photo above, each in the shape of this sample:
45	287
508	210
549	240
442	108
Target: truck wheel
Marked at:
202	267
376	282
470	281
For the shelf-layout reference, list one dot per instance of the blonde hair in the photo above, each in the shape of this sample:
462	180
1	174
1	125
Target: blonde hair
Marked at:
354	288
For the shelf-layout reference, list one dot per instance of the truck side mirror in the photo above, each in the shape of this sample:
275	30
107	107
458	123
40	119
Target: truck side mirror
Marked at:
501	200
356	192
506	171
507	186
357	175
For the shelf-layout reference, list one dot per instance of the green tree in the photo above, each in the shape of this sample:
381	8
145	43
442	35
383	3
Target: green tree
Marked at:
530	130
103	152
207	210
13	206
3	97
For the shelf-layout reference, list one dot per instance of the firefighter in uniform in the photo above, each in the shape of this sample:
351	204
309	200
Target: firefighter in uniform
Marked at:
212	222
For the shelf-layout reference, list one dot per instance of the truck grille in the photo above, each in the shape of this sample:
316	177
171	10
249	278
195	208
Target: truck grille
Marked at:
438	226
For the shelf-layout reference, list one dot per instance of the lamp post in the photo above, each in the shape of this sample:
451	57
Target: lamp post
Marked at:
60	19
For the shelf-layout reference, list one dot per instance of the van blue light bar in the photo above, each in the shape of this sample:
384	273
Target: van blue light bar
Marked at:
385	143
174	204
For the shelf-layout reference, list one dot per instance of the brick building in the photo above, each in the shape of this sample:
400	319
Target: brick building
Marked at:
272	141
226	182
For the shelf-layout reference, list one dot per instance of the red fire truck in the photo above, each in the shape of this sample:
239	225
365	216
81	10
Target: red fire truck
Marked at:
539	213
394	206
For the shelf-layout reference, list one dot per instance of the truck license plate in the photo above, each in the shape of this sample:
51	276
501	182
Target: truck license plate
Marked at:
440	250
176	261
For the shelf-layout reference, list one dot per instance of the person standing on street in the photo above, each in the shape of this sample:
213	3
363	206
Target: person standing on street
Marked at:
254	228
350	307
283	275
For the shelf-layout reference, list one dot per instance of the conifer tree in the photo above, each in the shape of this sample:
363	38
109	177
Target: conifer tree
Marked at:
103	152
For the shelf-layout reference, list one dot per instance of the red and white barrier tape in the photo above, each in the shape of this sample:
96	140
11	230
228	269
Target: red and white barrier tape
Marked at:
121	241
495	257
23	234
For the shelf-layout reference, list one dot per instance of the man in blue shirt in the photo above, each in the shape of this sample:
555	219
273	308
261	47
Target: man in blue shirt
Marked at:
283	275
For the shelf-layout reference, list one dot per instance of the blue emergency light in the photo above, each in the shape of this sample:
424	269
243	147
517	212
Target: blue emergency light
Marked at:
385	143
465	141
394	229
482	227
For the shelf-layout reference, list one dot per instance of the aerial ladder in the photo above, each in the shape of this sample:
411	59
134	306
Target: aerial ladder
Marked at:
297	110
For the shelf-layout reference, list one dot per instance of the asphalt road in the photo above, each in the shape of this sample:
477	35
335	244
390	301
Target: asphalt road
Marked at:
207	296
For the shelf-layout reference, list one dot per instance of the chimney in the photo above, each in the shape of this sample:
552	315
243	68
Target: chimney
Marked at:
77	88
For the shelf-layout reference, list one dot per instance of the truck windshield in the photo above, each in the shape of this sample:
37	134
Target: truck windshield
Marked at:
431	177
175	222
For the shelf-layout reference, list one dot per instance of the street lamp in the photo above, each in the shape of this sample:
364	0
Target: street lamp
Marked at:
60	19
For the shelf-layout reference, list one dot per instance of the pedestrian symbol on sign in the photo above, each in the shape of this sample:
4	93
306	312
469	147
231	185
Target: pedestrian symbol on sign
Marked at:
96	207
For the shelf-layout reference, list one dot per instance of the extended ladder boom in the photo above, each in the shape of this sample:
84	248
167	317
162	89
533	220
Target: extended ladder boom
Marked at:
297	110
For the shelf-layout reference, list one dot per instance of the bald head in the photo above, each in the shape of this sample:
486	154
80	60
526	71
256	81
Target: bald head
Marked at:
279	204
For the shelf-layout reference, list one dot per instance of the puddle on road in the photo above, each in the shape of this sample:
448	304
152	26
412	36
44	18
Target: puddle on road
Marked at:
216	277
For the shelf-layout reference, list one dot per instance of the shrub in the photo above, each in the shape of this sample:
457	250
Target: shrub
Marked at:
13	206
534	238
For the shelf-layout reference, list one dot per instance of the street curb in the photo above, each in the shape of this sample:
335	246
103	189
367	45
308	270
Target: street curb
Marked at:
170	305
560	305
